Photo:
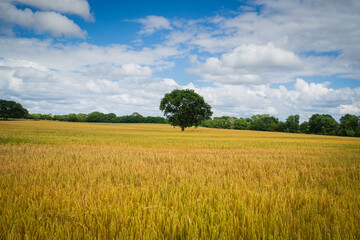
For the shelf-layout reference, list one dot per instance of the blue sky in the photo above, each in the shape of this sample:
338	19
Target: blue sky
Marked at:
279	57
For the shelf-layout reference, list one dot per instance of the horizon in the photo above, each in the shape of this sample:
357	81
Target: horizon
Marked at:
244	57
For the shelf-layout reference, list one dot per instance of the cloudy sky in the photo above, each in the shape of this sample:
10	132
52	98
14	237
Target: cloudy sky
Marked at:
279	57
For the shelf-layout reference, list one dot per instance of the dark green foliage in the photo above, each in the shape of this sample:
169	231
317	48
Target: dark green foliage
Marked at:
96	117
99	117
323	124
133	118
220	123
317	124
81	117
264	122
207	123
72	117
304	127
109	117
242	123
122	119
292	124
185	108
38	116
224	122
35	116
349	125
281	127
59	117
155	120
46	116
11	109
138	118
257	122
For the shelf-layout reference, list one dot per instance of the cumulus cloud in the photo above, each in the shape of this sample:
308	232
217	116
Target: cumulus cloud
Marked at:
51	77
79	57
304	99
265	56
301	27
152	24
111	71
31	73
248	64
77	7
57	92
349	109
57	78
42	22
131	87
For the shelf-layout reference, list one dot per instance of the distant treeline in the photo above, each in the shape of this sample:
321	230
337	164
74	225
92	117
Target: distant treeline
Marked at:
323	124
317	124
98	117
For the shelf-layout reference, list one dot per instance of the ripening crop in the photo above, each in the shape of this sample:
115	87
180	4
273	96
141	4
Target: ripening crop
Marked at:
61	180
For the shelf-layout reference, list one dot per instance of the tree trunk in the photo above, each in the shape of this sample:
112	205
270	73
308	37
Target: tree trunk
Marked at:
182	129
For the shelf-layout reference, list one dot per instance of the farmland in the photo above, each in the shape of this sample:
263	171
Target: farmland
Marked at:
62	180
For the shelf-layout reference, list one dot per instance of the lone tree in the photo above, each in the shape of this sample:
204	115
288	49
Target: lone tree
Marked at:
185	108
11	109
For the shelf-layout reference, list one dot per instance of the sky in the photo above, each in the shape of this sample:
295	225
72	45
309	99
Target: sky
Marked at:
277	57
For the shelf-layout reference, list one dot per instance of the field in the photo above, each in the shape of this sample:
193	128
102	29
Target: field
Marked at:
62	180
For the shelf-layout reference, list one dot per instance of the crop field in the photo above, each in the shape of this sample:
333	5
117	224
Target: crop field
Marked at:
61	180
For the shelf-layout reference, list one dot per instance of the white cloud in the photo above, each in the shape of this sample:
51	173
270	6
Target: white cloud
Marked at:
57	25
15	84
305	99
178	37
260	56
57	78
248	64
350	109
300	27
77	7
31	73
42	22
129	87
110	71
152	24
58	93
79	57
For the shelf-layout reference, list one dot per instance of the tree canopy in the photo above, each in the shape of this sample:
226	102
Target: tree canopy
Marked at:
323	124
185	108
264	122
11	109
318	124
292	123
349	125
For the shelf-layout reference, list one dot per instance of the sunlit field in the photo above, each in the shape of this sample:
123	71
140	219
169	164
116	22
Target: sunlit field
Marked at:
63	180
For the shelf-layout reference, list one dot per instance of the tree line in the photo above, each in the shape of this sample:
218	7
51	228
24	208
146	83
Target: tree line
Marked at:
12	109
98	117
322	124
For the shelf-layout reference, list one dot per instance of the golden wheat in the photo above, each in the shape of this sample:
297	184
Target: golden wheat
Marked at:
145	181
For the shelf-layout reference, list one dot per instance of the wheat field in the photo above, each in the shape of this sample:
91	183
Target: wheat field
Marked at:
61	180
